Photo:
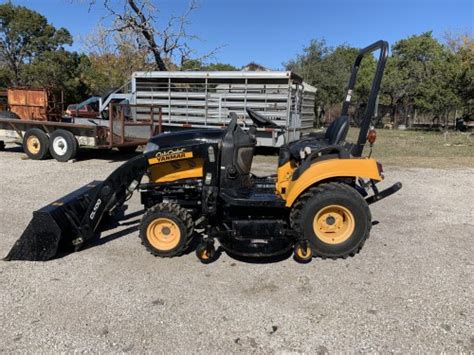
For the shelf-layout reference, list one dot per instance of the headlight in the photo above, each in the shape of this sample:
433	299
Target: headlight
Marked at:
150	147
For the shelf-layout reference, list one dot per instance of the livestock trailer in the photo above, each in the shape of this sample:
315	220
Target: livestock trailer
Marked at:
193	99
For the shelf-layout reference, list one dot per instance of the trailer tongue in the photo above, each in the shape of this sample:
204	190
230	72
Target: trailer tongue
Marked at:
66	224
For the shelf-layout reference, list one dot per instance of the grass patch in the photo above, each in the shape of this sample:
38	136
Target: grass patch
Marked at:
422	149
414	149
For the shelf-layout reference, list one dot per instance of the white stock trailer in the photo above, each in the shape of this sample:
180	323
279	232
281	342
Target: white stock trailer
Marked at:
194	99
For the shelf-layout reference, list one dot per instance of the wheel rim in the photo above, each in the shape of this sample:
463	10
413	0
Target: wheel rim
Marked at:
303	253
334	224
33	144
205	254
60	146
163	234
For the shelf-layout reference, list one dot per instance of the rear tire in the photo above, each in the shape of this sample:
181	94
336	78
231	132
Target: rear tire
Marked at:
166	230
63	145
36	144
334	218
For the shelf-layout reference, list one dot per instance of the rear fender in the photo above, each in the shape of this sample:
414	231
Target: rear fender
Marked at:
331	169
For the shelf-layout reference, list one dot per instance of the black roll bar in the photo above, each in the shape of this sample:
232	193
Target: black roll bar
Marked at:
374	91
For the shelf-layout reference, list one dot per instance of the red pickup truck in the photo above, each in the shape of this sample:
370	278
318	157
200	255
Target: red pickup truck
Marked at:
85	109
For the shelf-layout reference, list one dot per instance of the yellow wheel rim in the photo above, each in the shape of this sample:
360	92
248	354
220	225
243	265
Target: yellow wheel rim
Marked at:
163	234
204	255
334	224
301	254
33	144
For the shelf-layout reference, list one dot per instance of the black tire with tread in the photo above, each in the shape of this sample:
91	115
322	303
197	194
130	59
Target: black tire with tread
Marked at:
310	202
206	248
305	251
43	138
71	144
176	213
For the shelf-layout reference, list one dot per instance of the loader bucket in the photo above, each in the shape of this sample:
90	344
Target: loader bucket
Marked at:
70	222
54	228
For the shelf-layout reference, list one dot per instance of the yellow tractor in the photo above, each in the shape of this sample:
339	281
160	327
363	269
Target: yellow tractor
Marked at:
200	189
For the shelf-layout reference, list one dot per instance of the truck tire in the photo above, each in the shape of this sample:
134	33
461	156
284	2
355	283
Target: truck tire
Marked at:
333	218
63	145
9	114
36	144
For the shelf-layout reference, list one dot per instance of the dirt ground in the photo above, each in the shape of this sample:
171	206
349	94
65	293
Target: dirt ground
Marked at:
409	290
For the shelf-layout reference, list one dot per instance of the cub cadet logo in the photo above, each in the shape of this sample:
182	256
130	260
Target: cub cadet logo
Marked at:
170	155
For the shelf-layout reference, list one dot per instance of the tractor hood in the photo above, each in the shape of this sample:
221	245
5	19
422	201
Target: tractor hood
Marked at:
184	138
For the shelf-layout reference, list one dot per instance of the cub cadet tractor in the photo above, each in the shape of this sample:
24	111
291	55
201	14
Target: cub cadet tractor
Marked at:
201	186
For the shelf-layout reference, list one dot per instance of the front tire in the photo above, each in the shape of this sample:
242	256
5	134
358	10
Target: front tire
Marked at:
334	218
166	230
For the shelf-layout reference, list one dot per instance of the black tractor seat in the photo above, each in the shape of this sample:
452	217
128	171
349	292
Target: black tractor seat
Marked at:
335	135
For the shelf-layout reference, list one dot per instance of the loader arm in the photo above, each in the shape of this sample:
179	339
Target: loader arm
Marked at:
73	220
111	194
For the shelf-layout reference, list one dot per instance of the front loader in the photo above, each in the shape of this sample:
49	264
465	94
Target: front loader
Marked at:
200	186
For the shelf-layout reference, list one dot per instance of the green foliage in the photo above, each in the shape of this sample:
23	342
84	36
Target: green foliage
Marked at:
59	70
427	72
421	74
24	36
198	65
464	53
110	71
328	69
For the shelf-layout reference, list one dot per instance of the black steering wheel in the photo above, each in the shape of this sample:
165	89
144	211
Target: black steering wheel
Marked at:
260	120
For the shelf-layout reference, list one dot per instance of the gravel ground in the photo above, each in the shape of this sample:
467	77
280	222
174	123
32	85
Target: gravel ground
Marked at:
409	290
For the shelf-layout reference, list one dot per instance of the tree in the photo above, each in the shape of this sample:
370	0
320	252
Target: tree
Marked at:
113	58
462	46
328	69
198	65
168	45
24	36
59	70
428	71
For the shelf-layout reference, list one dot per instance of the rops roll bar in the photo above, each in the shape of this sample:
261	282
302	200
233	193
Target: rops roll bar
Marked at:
370	109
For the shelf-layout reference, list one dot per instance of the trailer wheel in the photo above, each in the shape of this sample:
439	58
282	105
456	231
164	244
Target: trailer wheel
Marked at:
63	146
36	144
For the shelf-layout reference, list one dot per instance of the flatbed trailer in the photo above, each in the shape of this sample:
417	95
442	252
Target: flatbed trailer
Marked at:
62	139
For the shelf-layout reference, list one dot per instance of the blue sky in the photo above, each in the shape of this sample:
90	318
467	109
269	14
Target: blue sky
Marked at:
270	32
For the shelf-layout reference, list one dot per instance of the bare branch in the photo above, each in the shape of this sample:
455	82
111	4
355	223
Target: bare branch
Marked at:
171	43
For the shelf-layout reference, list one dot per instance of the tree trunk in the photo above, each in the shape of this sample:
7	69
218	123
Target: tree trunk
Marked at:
148	35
